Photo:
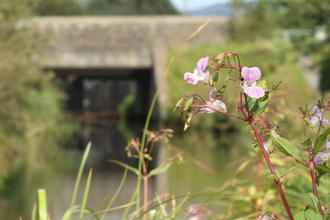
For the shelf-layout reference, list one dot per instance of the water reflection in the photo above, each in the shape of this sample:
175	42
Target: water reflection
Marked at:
207	155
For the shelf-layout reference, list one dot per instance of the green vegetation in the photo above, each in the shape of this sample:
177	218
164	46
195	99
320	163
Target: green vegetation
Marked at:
130	7
264	18
58	7
31	117
277	61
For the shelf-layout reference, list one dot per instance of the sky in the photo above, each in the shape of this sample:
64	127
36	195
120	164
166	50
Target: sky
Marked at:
188	5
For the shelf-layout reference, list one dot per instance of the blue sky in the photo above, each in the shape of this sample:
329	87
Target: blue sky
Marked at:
182	5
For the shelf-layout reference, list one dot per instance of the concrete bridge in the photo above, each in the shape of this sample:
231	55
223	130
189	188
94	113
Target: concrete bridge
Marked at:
128	50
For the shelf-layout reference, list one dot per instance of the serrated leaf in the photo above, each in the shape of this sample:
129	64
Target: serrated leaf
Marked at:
314	199
285	172
322	168
160	169
285	146
133	169
320	142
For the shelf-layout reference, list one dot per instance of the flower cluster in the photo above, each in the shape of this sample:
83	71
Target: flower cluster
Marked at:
324	155
200	72
317	118
248	84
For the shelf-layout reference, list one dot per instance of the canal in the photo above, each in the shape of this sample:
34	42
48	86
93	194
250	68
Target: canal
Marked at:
208	162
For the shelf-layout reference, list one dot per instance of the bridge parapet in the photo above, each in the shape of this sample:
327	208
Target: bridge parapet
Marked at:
119	41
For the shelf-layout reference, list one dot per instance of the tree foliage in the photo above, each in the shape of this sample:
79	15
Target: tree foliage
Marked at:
257	19
130	7
31	115
58	7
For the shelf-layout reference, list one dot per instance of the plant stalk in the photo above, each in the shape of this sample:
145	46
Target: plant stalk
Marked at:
311	170
271	168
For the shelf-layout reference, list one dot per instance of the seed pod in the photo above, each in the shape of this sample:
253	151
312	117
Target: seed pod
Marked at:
188	104
178	105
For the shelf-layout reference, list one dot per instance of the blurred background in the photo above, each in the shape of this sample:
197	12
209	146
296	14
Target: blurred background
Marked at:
74	71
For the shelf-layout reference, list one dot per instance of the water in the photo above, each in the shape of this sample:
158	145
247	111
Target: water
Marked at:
207	156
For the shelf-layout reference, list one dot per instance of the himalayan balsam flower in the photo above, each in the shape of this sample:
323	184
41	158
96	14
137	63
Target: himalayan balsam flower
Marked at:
200	72
266	216
317	118
324	155
321	157
250	76
214	103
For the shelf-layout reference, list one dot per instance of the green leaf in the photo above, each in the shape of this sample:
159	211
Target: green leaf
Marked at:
262	84
322	168
85	196
257	106
242	167
314	199
307	143
80	171
285	172
285	146
276	85
271	176
261	108
160	169
327	216
307	215
70	211
133	169
147	156
320	142
41	213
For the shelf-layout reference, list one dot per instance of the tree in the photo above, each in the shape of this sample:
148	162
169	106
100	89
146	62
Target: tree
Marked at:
259	18
31	115
129	7
58	7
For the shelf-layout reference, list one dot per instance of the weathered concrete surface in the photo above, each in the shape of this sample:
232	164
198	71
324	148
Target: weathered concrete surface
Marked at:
119	41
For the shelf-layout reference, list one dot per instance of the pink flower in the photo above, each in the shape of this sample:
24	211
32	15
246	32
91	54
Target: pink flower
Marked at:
250	76
321	157
317	117
266	216
200	72
214	103
202	63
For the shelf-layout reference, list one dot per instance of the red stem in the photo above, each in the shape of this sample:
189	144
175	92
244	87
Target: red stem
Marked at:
311	170
271	168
